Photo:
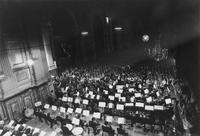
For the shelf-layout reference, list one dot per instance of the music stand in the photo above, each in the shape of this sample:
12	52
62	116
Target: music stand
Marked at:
117	95
129	104
121	120
64	99
86	112
111	97
149	99
102	104
139	104
168	101
78	110
70	99
138	95
69	110
110	105
97	115
62	109
54	108
75	121
149	108
98	97
120	107
85	101
46	106
77	100
109	119
146	91
158	107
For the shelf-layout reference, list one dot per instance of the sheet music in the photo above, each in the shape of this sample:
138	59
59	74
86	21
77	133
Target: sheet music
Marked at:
168	101
149	108
54	107
70	110
86	112
111	97
109	118
129	104
110	105
75	121
97	115
78	110
120	107
121	120
102	104
85	102
62	109
139	104
64	99
158	107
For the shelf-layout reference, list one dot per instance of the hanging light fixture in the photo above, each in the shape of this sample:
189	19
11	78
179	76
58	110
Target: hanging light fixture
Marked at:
107	20
84	33
118	28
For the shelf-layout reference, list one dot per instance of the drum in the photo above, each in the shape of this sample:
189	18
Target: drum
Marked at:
77	131
29	112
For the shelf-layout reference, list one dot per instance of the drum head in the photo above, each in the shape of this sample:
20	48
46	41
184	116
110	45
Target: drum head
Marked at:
77	131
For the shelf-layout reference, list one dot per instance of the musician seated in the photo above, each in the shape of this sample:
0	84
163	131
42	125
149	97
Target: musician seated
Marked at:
65	131
93	124
19	132
51	120
107	128
66	121
59	119
37	112
28	132
121	131
25	118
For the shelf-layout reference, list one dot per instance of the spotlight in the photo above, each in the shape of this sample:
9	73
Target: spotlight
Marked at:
145	38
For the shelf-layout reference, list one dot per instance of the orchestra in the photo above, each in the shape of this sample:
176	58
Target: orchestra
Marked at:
91	100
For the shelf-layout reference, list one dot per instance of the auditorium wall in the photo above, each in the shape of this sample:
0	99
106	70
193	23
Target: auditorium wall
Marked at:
21	84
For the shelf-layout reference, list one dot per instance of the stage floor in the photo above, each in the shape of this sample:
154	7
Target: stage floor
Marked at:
131	132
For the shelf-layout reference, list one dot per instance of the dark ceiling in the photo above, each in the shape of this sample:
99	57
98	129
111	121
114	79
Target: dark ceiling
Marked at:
176	19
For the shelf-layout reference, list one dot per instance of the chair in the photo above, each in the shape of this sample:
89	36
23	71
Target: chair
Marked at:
147	127
121	132
105	131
